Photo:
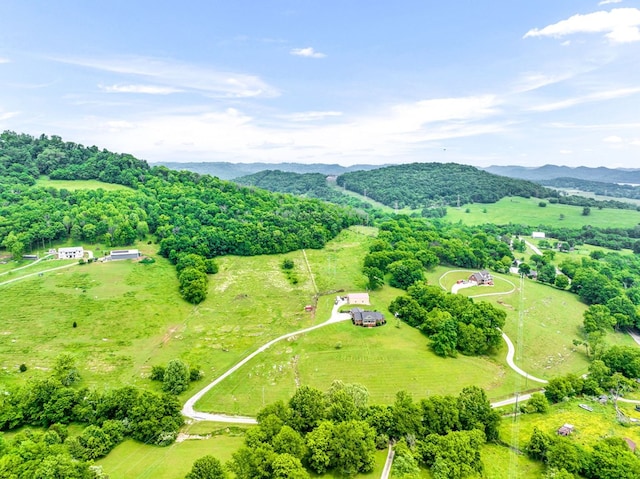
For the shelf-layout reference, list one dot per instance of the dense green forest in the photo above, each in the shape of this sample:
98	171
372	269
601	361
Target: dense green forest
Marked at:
420	185
185	212
597	187
433	186
311	185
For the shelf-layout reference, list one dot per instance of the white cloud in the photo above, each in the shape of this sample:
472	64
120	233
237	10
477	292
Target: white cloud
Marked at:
532	81
181	76
308	52
392	134
598	96
312	115
620	25
566	152
147	89
4	60
7	114
607	2
118	125
612	139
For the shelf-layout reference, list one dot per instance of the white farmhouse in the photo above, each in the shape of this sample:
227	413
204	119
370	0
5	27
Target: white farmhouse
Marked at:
73	252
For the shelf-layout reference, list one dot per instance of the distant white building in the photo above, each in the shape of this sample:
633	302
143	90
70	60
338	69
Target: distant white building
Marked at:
73	252
537	234
124	254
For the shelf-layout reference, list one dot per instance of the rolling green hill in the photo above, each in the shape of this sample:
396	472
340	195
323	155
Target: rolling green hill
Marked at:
420	185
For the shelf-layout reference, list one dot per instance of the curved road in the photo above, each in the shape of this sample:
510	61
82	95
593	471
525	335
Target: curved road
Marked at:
511	350
188	408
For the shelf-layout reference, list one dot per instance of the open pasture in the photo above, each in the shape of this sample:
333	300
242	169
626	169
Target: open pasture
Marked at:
589	426
73	185
519	210
385	359
130	316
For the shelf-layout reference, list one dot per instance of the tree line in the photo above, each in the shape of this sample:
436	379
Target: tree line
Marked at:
339	431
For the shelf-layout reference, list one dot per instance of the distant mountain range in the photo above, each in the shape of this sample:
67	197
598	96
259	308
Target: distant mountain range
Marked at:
549	172
230	171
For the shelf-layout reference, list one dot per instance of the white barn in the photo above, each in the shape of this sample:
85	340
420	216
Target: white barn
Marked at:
124	254
537	234
73	252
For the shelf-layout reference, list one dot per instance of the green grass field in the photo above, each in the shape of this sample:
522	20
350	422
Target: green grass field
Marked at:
552	320
519	210
130	317
73	185
589	426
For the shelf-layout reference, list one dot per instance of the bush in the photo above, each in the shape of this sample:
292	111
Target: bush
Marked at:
157	373
287	264
23	368
542	204
195	373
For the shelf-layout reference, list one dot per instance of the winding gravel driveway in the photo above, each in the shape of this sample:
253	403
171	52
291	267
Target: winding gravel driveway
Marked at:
511	350
188	409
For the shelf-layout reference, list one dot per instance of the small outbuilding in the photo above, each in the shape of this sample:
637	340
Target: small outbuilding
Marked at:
630	443
358	298
537	234
119	254
566	430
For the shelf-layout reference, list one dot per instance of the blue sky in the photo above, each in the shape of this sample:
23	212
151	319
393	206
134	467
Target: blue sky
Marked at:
479	82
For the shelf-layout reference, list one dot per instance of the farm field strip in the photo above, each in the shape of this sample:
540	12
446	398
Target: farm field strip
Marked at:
517	210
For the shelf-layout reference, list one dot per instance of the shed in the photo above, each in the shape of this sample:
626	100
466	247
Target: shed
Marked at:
566	430
358	298
119	254
630	443
537	234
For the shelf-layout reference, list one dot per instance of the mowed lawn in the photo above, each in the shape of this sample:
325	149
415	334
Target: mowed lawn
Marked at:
551	320
73	185
517	210
386	359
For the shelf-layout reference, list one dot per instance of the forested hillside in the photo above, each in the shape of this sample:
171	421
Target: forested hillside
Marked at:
311	185
185	212
420	185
